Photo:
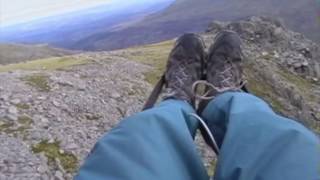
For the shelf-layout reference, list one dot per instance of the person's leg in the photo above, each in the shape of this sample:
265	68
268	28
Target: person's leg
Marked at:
156	144
153	145
255	143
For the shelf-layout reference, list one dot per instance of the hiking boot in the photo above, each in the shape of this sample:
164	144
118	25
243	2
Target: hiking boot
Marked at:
224	71
184	67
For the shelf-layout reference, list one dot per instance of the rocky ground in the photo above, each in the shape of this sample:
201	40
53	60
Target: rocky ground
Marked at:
281	66
49	120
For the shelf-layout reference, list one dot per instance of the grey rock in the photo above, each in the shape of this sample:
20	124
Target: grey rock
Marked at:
42	169
15	101
12	117
3	177
13	110
41	98
71	146
305	63
36	136
61	151
44	120
297	65
55	103
51	140
115	95
44	177
264	53
4	97
58	176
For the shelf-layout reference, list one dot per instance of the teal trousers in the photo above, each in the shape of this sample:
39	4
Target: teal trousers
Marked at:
157	144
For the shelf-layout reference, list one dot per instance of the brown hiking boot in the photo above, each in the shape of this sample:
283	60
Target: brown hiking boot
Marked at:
224	70
185	66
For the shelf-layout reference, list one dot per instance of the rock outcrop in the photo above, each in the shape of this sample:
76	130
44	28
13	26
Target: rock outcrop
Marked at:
280	65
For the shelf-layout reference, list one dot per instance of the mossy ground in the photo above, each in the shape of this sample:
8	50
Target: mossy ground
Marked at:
5	126
25	120
304	86
53	152
155	55
301	83
45	64
262	89
23	106
24	123
315	126
265	91
39	81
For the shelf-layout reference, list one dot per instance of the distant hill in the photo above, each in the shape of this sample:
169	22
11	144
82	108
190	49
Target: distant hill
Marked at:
143	22
15	53
67	30
194	16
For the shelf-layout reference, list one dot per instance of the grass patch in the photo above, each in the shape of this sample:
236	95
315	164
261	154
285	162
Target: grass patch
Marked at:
24	123
303	85
316	127
39	81
45	64
300	82
53	153
22	106
25	120
155	55
262	89
265	91
5	126
93	117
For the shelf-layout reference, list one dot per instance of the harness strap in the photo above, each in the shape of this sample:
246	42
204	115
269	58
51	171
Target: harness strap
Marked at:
152	99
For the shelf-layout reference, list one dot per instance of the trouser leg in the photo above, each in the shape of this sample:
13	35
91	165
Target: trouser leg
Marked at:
152	145
255	143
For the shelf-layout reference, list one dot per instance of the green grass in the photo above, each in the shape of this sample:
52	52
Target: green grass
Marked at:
23	106
93	117
39	81
265	91
262	89
315	126
25	120
303	85
45	64
53	153
300	82
24	123
316	129
5	126
155	55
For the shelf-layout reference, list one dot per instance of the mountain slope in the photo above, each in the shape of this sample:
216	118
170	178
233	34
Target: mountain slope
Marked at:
50	119
14	53
193	16
66	29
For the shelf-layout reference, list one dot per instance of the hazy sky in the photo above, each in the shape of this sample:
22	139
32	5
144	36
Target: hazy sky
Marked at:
16	11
